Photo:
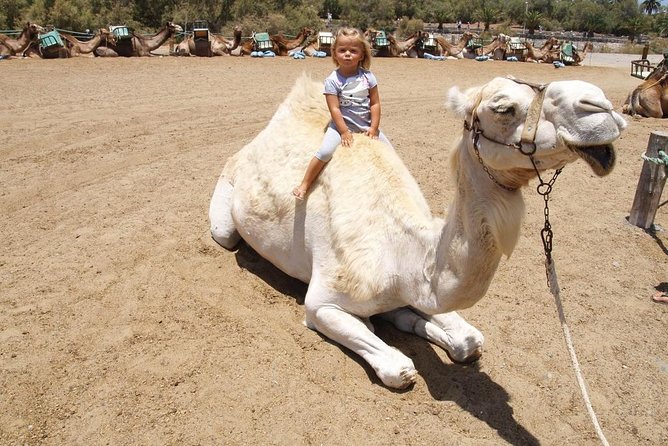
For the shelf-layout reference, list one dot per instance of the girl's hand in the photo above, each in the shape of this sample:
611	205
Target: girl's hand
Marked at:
346	139
372	133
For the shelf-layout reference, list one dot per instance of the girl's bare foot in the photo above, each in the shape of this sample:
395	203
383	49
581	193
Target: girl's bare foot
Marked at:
299	193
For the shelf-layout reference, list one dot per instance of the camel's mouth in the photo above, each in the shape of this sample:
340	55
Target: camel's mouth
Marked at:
601	158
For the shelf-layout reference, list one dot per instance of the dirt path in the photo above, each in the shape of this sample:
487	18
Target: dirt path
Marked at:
122	323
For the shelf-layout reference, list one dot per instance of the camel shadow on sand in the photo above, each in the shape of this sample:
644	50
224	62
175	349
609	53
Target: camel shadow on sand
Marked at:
467	386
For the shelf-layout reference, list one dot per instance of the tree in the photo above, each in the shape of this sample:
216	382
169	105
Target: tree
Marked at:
486	15
10	13
651	6
533	21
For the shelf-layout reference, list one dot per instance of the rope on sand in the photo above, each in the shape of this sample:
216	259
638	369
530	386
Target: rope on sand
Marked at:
554	289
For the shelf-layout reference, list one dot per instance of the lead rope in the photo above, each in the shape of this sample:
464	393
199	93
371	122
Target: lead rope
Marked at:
544	189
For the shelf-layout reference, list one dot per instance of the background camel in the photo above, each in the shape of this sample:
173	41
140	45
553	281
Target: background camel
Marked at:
78	47
218	45
455	50
545	53
497	48
650	99
13	47
365	239
580	55
281	45
399	47
138	45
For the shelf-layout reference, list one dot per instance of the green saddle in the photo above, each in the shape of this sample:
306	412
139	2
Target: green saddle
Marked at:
121	32
50	39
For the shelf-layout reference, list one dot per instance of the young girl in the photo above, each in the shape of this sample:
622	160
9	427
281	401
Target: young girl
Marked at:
352	97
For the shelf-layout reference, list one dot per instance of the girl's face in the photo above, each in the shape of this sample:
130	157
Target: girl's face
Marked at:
349	53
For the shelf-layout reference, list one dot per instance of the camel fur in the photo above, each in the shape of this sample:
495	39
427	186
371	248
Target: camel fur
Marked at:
364	239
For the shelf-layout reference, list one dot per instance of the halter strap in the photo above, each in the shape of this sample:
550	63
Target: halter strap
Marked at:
528	136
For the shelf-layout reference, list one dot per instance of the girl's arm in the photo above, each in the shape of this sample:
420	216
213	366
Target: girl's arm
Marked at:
337	117
374	105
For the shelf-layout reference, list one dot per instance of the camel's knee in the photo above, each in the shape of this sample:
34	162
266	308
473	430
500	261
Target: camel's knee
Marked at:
223	229
224	237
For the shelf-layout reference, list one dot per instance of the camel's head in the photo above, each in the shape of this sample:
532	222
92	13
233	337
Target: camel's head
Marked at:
174	27
33	30
107	35
574	121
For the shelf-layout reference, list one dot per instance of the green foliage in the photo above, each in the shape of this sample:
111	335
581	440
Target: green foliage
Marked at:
621	17
10	13
533	20
486	15
408	27
661	25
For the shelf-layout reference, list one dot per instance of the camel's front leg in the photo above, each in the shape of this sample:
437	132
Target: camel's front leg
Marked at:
461	340
324	315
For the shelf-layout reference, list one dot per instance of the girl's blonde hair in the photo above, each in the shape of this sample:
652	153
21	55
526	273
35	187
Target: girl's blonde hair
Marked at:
357	35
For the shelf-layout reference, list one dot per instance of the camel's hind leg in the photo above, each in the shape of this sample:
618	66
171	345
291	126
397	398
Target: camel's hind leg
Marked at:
462	341
223	230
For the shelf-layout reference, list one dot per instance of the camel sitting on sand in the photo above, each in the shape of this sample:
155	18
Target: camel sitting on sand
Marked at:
76	47
138	45
403	47
218	45
364	239
15	47
580	55
650	99
457	51
497	48
282	46
544	54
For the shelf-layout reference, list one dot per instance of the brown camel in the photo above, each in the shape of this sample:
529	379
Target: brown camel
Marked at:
457	51
650	99
77	47
579	56
545	53
138	45
496	49
218	45
397	48
10	48
282	46
72	47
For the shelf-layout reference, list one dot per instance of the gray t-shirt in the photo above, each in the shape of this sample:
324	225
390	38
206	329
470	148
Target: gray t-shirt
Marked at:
353	93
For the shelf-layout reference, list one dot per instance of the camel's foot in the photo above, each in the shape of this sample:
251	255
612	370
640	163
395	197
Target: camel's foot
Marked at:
323	314
461	341
397	371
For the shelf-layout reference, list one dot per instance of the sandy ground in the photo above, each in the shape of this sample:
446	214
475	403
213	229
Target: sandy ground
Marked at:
123	323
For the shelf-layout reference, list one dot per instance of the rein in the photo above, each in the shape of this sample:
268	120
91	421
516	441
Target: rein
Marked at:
544	189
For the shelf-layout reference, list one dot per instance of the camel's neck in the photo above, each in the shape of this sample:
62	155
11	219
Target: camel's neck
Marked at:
87	47
154	42
292	44
235	42
22	42
483	224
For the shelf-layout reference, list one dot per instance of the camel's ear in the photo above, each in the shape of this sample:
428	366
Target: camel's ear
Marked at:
458	102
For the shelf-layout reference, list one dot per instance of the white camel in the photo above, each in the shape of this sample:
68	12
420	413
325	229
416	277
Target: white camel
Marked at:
365	240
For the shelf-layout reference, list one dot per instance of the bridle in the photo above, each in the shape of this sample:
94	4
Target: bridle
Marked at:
528	139
527	143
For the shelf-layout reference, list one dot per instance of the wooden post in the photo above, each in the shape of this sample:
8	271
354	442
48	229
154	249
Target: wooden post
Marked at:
651	182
